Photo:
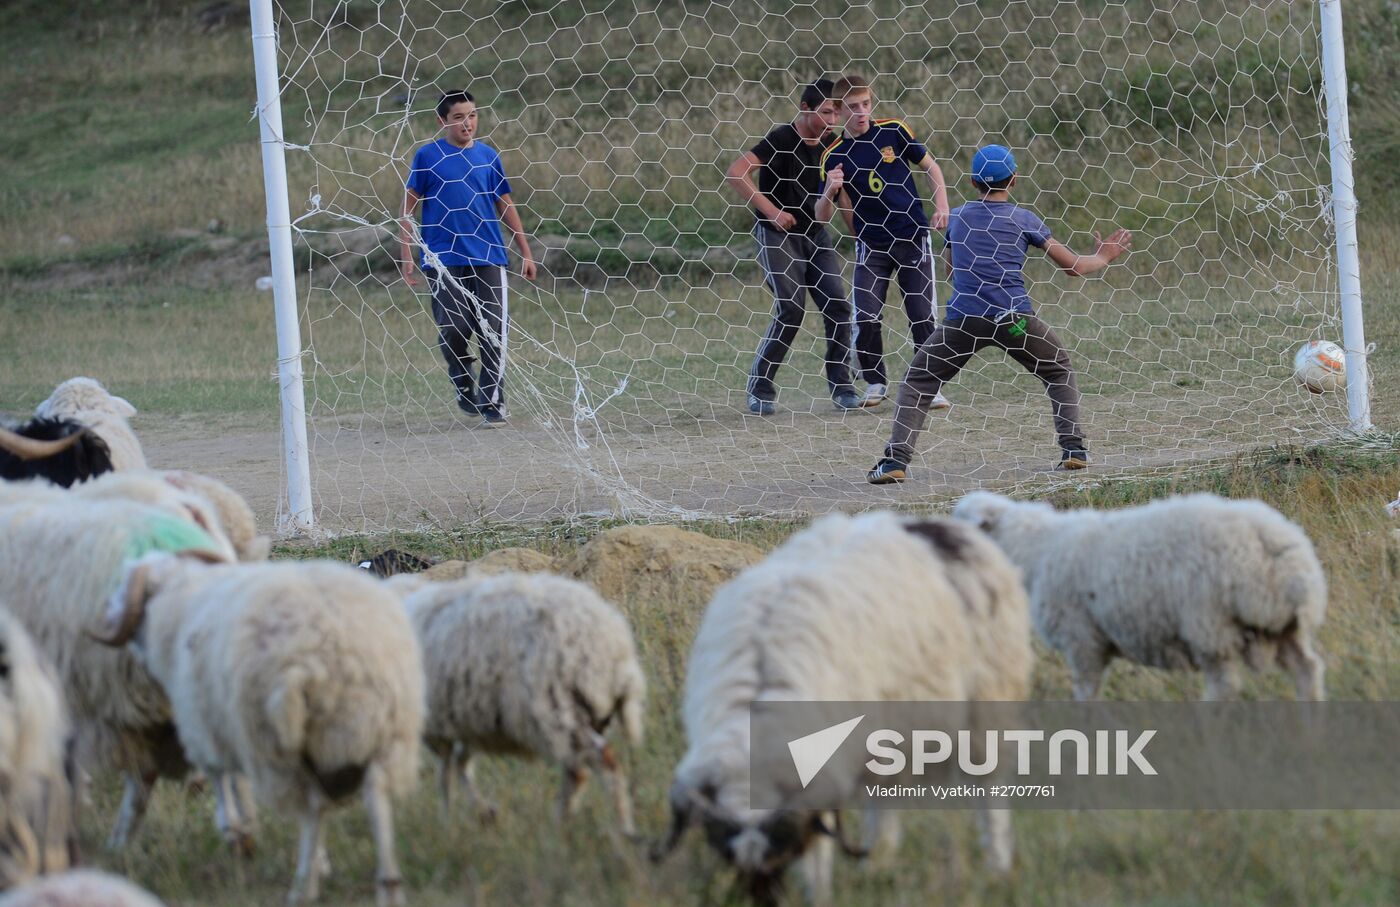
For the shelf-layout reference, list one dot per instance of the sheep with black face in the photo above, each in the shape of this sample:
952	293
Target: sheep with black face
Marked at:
876	607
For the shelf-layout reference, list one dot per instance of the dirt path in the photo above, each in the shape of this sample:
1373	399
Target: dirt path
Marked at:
370	474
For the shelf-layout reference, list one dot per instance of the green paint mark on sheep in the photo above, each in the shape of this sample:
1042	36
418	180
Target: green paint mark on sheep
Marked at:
168	533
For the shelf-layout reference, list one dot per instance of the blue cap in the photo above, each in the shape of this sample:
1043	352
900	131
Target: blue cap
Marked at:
993	163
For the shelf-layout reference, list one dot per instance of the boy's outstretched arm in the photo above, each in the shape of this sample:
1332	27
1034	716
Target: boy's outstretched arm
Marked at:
511	218
1105	251
940	192
407	266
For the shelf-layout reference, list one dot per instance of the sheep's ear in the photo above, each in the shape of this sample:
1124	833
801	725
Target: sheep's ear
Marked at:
989	512
210	524
124	615
177	478
122	407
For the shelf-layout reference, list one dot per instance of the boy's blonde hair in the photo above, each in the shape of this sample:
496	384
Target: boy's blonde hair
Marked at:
849	85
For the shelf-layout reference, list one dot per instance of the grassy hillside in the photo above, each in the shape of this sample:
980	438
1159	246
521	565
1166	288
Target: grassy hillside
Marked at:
131	120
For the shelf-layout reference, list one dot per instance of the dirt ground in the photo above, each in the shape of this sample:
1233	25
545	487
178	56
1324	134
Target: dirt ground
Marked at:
370	473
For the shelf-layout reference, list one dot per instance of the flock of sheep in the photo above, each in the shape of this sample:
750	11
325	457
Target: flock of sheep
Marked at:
142	629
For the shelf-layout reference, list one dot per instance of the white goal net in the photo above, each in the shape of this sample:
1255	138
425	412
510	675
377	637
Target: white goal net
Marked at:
1198	125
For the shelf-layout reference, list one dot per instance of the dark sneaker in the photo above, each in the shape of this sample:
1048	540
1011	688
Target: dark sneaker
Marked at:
761	407
492	416
468	406
848	400
887	472
1074	459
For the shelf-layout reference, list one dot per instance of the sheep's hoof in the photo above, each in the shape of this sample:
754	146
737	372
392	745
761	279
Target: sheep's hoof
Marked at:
243	845
389	893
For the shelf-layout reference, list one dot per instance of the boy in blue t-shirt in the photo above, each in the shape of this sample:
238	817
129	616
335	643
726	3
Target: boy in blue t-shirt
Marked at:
466	197
869	175
985	252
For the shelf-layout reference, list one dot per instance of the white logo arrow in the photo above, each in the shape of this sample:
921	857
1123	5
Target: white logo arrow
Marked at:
813	751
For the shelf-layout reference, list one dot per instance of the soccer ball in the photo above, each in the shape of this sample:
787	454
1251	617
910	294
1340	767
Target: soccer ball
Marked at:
1320	366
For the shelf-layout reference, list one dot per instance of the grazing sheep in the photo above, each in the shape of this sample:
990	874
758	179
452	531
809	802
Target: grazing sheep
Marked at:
79	888
206	501
60	450
86	401
1186	582
58	567
867	608
235	520
305	678
37	833
529	664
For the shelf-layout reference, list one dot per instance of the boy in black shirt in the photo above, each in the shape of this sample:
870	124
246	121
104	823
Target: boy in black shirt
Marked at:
795	250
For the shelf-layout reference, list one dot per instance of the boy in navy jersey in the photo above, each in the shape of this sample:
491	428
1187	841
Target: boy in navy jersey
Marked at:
985	253
465	197
868	174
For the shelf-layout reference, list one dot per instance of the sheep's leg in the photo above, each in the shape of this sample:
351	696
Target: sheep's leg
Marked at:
816	866
616	780
998	843
1297	656
1087	670
228	815
136	794
881	836
571	790
1222	680
388	883
306	887
449	766
476	800
247	804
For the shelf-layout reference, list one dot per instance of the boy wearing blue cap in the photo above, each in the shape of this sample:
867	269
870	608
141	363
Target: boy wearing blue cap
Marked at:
987	240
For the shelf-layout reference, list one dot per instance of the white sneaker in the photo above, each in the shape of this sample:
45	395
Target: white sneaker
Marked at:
940	402
874	395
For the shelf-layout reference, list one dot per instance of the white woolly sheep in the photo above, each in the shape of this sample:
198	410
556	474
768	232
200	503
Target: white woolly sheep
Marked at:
37	833
87	401
79	888
1186	582
867	608
58	567
305	678
207	501
528	664
235	517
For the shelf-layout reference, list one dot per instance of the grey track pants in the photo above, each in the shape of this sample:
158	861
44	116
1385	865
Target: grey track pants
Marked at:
1024	337
472	304
795	265
910	263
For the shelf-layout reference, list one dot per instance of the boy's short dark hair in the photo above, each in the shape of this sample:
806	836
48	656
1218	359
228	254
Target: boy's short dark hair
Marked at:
993	186
448	100
814	94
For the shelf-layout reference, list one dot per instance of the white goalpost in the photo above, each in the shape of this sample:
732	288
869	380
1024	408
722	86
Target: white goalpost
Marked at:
1216	131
